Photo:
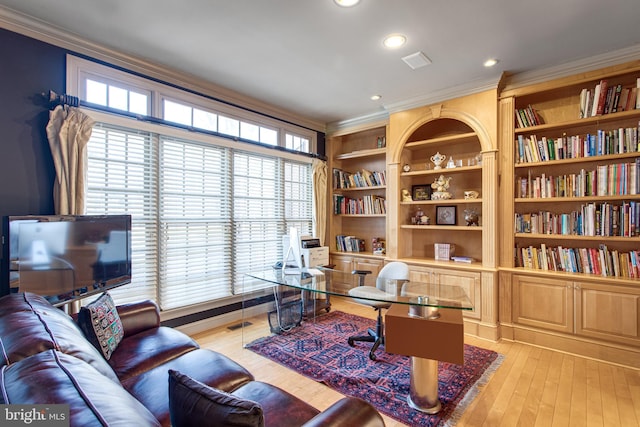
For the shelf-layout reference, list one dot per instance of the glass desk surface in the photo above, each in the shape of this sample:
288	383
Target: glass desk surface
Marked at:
334	282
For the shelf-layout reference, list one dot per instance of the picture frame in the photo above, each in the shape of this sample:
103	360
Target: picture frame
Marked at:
421	192
445	215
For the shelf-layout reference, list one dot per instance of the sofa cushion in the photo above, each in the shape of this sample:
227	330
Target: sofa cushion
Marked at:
51	377
101	324
192	403
146	350
208	367
29	324
280	407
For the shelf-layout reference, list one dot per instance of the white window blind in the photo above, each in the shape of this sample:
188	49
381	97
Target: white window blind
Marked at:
195	217
203	214
257	211
122	179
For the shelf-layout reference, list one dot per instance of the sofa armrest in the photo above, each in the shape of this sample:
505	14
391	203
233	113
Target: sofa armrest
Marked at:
347	412
139	316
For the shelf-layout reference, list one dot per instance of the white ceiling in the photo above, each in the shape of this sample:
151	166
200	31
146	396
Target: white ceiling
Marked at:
324	62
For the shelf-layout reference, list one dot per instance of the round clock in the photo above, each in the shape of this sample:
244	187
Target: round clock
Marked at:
406	167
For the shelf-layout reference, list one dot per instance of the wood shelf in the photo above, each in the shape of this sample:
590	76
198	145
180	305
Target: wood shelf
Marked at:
361	216
442	227
441	202
377	187
373	152
575	237
588	159
627	281
456	138
459	169
595	120
538	200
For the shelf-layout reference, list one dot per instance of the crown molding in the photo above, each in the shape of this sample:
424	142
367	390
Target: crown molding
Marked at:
40	30
369	121
615	57
373	120
444	95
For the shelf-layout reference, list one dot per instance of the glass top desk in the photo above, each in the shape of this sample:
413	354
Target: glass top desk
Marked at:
424	321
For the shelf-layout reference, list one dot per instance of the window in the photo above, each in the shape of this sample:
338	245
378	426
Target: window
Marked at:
296	143
203	214
205	208
122	180
102	92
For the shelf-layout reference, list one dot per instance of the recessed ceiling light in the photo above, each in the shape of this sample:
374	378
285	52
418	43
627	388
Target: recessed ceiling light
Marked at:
490	62
376	97
346	3
394	41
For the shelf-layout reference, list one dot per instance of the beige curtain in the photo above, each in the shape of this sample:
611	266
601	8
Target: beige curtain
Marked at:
319	170
68	131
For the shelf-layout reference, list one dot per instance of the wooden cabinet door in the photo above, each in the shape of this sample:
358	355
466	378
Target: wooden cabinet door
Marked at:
543	303
467	280
608	312
345	265
421	274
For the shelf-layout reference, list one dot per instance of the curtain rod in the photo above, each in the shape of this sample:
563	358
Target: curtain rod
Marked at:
74	101
64	99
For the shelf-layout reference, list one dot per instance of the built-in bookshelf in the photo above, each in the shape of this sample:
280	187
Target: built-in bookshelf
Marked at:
576	175
462	169
358	191
570	189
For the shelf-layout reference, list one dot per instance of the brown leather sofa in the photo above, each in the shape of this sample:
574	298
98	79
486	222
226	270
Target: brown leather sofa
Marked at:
46	359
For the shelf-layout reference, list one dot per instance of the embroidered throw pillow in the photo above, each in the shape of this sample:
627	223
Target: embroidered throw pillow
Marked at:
101	324
192	403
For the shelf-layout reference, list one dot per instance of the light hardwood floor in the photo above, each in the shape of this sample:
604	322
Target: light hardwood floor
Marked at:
532	387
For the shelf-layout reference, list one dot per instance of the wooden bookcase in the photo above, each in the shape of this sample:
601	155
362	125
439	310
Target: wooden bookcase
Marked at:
567	302
463	129
357	153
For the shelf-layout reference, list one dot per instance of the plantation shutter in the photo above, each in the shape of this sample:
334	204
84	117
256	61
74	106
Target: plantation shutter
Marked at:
195	223
121	179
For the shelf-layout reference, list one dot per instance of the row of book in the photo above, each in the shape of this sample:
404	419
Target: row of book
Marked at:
366	205
600	261
528	116
616	179
592	219
607	98
349	243
530	149
359	179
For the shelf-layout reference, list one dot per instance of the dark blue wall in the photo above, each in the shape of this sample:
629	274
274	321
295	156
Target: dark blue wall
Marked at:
28	68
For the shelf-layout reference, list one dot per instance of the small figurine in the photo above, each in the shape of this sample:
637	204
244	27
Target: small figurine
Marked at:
451	164
471	216
437	160
441	185
471	194
406	196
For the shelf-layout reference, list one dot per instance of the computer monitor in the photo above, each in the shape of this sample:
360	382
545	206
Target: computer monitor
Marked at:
292	252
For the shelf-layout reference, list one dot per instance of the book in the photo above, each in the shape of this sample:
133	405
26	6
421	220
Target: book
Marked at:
602	97
466	259
596	98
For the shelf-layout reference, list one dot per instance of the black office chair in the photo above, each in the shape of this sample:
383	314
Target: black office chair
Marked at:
394	271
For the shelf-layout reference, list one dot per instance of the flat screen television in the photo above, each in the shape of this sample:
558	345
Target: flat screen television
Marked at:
66	257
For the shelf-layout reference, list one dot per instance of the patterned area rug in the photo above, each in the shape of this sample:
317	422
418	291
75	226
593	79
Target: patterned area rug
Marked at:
319	350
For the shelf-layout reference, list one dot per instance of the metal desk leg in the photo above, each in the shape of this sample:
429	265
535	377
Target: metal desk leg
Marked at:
423	391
